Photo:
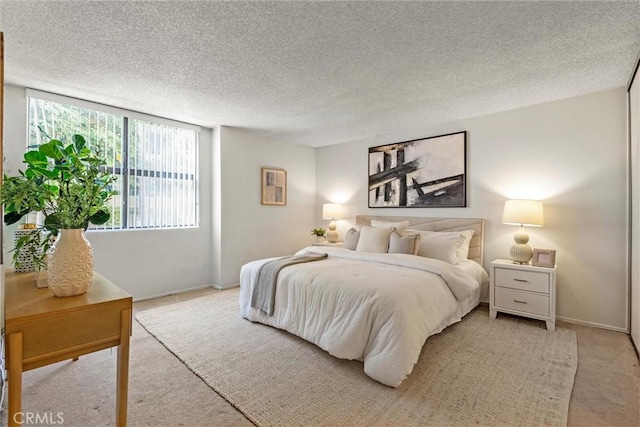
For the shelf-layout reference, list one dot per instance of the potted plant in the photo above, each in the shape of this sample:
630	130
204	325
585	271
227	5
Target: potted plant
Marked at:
319	233
68	183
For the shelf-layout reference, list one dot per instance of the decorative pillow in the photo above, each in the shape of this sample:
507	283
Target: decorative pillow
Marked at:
351	239
374	239
403	244
463	250
441	245
401	226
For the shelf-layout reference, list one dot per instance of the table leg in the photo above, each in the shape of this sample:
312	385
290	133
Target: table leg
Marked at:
15	379
123	369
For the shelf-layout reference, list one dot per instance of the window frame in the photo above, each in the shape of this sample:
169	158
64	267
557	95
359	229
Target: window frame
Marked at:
127	115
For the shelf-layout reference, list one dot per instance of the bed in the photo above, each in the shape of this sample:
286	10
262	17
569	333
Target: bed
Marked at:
375	307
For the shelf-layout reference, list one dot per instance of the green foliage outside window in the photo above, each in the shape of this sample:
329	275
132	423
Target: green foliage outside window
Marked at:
154	164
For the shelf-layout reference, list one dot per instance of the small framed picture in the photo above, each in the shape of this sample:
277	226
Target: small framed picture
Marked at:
274	187
544	258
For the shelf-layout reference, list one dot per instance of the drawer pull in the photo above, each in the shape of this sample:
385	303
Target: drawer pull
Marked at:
520	280
519	302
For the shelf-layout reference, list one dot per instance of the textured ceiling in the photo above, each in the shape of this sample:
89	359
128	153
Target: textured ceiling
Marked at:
319	73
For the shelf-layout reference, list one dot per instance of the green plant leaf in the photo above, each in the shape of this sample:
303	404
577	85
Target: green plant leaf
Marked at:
53	189
32	245
51	174
52	149
100	217
52	223
70	183
79	142
13	217
35	158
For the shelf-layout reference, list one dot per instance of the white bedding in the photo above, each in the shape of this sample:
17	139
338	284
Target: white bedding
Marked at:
377	308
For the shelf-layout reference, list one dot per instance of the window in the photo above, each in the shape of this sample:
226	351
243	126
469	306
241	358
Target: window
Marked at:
155	161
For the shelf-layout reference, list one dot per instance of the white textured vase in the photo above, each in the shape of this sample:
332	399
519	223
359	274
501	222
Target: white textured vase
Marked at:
70	264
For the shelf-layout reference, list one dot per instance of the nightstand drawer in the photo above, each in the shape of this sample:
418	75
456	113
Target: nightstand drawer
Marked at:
521	301
525	280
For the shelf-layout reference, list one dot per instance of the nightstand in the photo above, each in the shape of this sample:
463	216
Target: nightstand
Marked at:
523	290
336	244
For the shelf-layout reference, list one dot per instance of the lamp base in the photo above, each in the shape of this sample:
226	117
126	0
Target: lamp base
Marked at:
332	234
520	252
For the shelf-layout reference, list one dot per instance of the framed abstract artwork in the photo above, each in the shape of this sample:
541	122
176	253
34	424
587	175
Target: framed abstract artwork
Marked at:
421	173
274	187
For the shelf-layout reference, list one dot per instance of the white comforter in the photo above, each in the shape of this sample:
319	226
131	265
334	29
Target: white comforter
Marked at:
378	308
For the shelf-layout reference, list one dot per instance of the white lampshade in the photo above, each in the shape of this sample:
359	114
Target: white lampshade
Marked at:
523	212
332	211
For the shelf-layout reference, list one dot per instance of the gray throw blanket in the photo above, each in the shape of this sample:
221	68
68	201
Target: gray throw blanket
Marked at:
263	296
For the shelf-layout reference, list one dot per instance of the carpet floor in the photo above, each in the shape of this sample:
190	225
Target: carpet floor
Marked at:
477	372
164	392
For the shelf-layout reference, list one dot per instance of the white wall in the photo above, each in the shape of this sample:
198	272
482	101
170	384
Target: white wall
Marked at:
634	152
250	230
144	263
147	263
572	154
245	229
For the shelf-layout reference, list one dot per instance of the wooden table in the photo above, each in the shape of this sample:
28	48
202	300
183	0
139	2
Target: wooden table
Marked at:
42	329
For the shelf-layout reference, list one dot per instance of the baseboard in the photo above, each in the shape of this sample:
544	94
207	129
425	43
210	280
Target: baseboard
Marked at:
224	288
633	343
180	291
593	324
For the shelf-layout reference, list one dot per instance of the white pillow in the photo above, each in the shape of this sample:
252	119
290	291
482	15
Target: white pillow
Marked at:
401	226
351	239
463	250
403	244
374	239
441	245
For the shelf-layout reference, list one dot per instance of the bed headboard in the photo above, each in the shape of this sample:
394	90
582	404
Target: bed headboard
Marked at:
476	248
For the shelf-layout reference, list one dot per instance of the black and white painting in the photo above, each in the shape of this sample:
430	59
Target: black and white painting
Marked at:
421	173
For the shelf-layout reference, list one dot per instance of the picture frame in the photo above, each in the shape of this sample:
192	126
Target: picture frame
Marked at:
544	258
421	173
273	186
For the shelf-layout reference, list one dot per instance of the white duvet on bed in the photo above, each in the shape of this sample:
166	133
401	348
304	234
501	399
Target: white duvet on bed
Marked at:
377	308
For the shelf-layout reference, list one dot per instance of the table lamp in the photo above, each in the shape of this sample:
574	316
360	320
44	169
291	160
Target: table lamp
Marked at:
332	211
522	212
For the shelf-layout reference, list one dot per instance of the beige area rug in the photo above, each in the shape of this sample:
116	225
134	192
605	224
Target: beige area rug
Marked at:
507	371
